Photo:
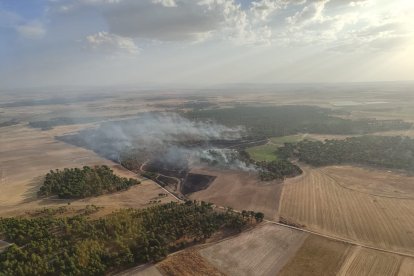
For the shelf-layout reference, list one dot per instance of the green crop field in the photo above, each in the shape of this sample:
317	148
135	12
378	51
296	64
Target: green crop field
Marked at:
267	152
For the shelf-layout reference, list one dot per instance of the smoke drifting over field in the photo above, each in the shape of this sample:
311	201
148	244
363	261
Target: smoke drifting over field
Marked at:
167	137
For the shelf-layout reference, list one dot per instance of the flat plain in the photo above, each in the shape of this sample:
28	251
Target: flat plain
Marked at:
319	202
370	262
241	191
317	256
27	154
261	251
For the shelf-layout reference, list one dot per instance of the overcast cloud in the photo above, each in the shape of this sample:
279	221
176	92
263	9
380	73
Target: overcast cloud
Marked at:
101	42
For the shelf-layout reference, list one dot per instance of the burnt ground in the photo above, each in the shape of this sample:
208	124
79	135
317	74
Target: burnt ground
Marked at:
196	182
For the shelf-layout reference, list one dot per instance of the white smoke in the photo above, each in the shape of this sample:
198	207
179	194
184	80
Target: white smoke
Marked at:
167	136
223	158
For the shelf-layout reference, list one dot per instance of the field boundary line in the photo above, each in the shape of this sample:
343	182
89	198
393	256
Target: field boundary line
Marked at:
341	239
331	237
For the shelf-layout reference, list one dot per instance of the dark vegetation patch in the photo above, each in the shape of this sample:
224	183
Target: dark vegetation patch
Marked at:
382	151
193	105
177	169
197	105
270	121
291	223
278	169
54	100
167	181
63	121
9	123
85	182
196	182
81	246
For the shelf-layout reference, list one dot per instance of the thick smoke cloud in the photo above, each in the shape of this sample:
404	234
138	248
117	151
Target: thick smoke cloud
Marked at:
167	137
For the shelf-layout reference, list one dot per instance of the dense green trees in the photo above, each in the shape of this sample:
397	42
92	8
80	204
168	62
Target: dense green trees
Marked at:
286	120
278	169
80	183
383	151
80	246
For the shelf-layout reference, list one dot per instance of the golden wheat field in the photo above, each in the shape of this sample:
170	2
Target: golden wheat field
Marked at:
319	202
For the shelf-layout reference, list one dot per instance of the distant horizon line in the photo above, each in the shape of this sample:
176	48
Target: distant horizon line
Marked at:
150	85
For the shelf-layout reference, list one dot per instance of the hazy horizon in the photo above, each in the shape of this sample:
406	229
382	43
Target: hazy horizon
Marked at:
46	43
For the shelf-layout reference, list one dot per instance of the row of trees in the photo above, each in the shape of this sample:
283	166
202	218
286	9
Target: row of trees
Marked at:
287	120
81	246
85	182
383	151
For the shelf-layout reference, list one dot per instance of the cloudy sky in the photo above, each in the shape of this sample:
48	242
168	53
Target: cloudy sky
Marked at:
204	42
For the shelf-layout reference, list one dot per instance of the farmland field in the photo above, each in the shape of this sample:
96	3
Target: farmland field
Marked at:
317	256
319	202
262	251
27	154
267	152
407	267
241	191
185	263
370	262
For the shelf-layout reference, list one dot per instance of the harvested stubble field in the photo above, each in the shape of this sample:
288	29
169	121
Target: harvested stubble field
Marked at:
261	251
407	267
370	262
27	154
187	263
241	191
321	203
317	256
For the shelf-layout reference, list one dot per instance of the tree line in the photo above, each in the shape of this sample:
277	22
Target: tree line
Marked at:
270	121
78	245
392	152
85	182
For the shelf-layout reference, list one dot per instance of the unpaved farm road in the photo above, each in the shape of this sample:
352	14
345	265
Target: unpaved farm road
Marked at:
352	242
178	181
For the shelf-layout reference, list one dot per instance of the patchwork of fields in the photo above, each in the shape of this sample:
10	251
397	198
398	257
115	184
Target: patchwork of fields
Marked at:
319	202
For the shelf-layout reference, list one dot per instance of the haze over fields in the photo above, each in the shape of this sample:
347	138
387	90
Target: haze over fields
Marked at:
211	137
201	43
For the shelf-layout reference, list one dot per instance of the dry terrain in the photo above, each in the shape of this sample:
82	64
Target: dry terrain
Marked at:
407	267
261	251
241	191
326	205
373	181
187	263
27	154
317	256
370	262
142	270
